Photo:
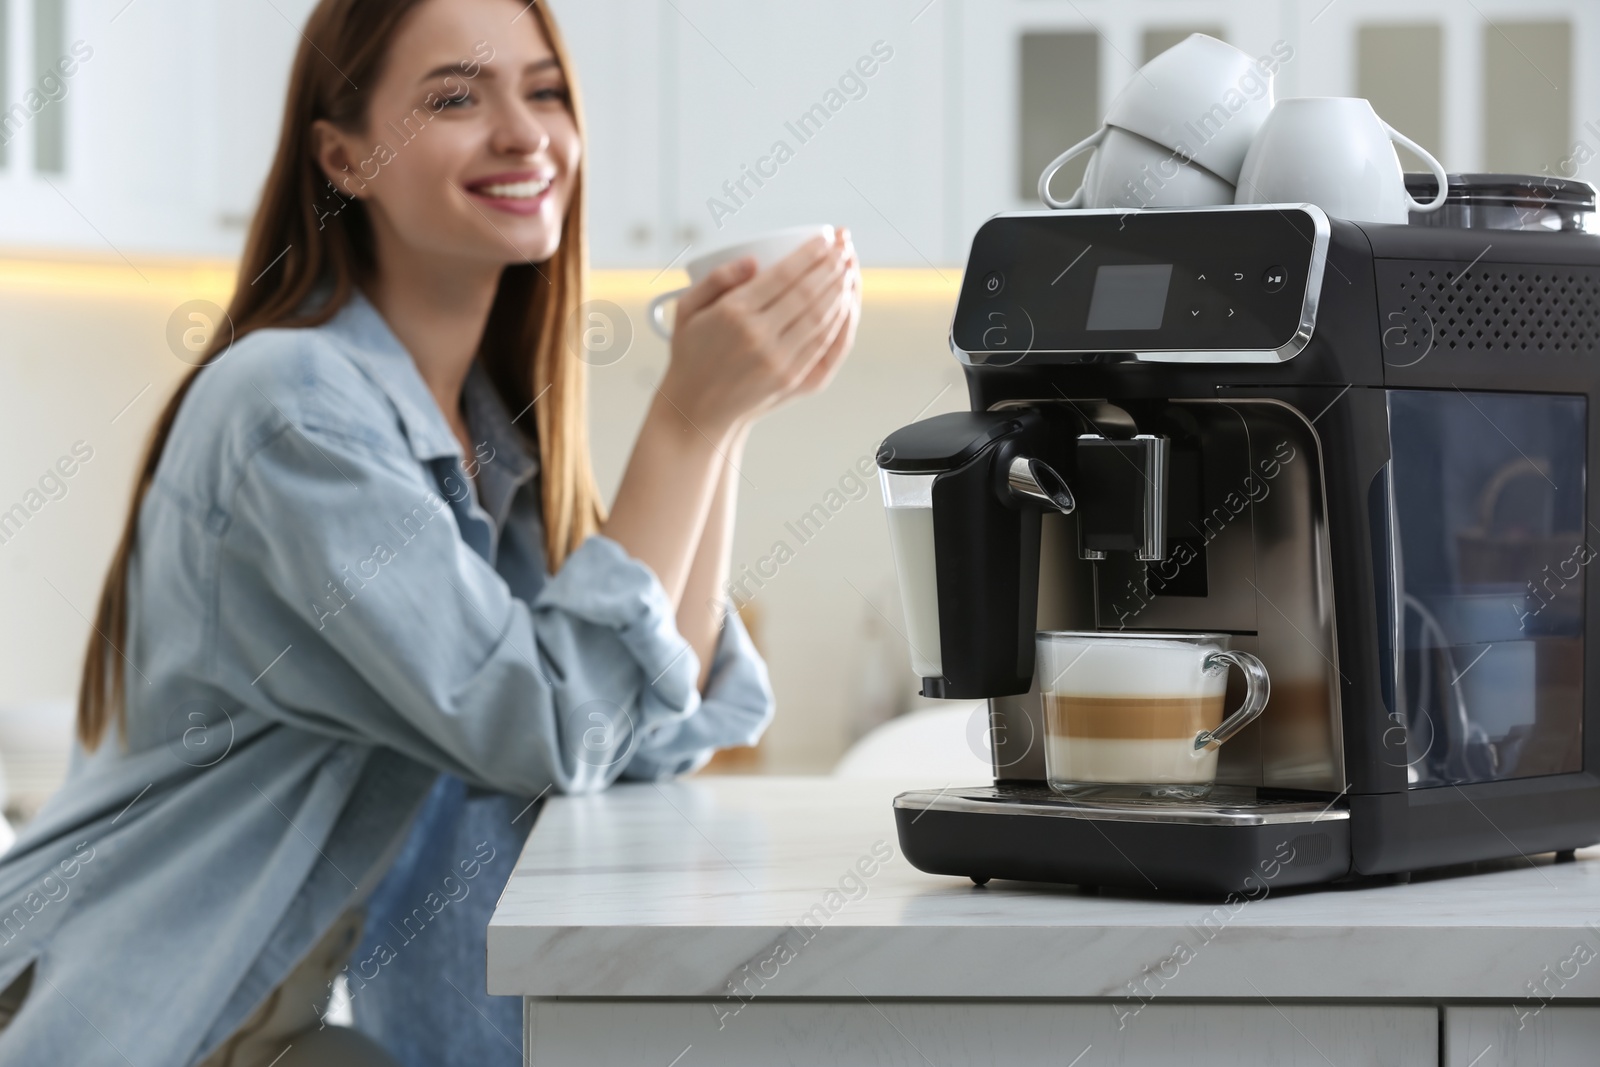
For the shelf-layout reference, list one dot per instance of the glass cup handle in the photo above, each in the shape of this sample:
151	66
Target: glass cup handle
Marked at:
1258	688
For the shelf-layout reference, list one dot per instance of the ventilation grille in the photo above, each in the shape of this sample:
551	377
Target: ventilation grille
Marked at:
1494	307
1311	848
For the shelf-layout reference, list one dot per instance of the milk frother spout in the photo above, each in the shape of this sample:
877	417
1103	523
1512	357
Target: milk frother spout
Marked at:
965	492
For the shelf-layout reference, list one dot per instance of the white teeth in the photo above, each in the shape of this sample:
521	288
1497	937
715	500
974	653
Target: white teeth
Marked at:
517	190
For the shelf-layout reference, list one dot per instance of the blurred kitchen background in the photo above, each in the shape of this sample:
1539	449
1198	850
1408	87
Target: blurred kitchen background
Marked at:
125	190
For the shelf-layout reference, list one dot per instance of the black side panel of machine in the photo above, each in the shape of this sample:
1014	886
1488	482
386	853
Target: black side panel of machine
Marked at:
1520	313
1465	824
1173	858
1463	325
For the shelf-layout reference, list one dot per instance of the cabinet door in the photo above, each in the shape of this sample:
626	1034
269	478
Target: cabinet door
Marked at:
622	1033
1521	1036
617	51
1494	85
260	41
826	112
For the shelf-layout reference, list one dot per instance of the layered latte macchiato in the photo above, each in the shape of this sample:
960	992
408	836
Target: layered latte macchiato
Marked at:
1131	738
1140	709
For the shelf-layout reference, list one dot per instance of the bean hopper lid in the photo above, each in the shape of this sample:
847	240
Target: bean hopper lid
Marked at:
1507	202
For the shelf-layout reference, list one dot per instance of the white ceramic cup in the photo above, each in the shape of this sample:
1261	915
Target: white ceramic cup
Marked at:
1334	152
767	250
1202	99
1128	171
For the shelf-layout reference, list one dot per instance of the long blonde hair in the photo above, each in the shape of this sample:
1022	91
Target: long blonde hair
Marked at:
525	347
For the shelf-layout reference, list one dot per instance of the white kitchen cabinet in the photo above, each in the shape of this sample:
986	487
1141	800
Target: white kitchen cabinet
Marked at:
1470	36
779	122
247	114
977	1033
1525	1035
169	128
617	49
776	920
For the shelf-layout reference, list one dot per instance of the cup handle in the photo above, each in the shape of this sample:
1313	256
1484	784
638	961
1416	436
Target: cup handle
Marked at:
658	320
1076	199
1433	164
1257	688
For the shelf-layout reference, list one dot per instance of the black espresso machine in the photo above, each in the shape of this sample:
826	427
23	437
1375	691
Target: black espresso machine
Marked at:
1360	450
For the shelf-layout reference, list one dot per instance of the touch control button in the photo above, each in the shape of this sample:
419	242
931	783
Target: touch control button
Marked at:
1274	277
993	282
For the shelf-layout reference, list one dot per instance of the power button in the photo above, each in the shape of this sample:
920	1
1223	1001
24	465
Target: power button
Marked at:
993	282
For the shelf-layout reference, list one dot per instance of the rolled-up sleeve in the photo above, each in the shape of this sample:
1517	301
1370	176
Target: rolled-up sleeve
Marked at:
401	635
735	710
665	739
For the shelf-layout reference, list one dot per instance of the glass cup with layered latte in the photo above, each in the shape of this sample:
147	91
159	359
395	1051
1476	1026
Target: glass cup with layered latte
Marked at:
1143	712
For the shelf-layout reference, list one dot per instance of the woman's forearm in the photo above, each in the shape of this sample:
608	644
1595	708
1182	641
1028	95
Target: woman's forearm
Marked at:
700	614
745	339
667	490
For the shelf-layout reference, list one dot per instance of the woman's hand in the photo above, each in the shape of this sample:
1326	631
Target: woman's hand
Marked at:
745	342
842	340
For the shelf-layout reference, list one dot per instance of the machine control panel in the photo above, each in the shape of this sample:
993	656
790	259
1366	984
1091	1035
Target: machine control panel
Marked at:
1198	285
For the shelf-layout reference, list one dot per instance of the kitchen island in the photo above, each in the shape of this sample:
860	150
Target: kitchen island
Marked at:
774	921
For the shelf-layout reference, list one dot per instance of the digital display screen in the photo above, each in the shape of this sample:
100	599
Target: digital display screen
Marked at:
1129	296
1050	287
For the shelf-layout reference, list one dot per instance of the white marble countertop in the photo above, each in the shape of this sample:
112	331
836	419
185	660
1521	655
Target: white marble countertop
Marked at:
678	889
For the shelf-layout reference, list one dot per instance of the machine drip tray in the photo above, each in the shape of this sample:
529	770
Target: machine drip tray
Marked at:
1225	806
1231	842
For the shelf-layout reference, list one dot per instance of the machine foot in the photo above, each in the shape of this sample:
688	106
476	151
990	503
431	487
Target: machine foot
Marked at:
980	881
1401	878
1566	855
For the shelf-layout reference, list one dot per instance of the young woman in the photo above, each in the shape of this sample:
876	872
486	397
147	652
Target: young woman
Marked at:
368	606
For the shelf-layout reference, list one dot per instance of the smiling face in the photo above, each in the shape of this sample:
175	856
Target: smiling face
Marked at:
470	150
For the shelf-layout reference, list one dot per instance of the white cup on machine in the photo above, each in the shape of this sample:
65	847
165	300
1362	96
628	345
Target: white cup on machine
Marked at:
767	249
1128	171
1177	134
1334	152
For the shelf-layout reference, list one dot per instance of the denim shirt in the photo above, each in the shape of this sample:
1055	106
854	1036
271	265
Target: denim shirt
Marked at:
324	616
